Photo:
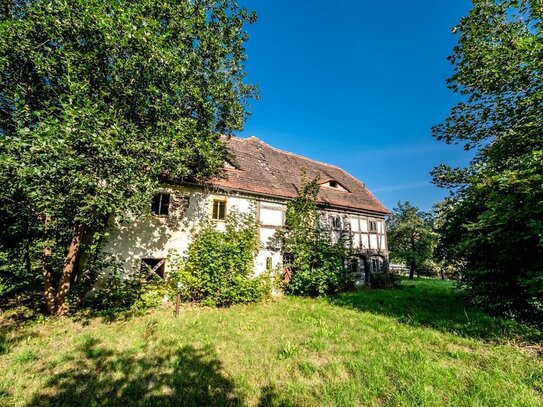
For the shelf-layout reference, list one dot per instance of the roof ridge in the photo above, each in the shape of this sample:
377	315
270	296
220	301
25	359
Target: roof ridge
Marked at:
294	154
269	170
317	162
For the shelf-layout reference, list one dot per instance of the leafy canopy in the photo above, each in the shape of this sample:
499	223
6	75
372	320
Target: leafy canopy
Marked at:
411	238
494	222
101	100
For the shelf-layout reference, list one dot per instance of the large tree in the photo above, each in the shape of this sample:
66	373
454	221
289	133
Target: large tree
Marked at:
411	238
101	100
494	222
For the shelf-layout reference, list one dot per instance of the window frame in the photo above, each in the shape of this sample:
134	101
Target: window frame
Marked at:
152	270
335	222
160	196
219	201
373	229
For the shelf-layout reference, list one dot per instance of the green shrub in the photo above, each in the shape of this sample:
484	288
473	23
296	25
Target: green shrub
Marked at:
383	280
321	270
120	293
319	266
4	288
218	270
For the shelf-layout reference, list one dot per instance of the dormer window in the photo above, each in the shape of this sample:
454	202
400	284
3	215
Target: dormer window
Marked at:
228	165
333	184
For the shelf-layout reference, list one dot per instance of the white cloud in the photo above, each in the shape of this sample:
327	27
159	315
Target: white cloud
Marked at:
401	187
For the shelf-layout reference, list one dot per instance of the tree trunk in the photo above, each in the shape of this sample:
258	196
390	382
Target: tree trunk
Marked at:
412	263
67	270
49	290
28	262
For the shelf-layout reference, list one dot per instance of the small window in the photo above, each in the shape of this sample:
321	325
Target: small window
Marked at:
219	209
153	268
288	259
333	184
161	204
373	226
335	222
377	264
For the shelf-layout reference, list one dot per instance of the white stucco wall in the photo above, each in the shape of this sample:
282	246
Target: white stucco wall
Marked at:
160	236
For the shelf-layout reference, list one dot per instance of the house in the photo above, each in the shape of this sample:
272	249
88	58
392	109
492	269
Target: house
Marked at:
262	179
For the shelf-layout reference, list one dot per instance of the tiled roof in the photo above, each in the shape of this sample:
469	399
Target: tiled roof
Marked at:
263	169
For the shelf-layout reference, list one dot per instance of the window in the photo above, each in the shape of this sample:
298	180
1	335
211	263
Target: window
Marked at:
219	209
373	226
333	184
377	264
335	222
161	204
153	268
268	263
288	259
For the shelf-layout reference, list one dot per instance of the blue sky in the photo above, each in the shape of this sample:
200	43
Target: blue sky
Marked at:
358	84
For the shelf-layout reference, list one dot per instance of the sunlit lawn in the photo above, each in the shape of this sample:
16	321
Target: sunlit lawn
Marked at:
418	344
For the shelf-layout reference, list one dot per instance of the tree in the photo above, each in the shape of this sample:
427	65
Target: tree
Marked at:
494	223
99	102
318	264
411	238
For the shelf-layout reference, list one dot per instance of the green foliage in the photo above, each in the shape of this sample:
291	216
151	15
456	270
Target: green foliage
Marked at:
218	270
411	238
384	280
99	101
4	289
120	293
319	265
493	221
419	344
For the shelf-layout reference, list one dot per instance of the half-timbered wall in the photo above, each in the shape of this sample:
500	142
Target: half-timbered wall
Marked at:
160	236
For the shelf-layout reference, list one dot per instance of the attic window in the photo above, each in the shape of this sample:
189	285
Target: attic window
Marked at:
333	184
228	165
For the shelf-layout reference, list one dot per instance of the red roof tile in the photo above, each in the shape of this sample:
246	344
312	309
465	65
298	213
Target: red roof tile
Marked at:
263	169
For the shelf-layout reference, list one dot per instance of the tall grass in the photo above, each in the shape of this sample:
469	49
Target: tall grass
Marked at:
418	344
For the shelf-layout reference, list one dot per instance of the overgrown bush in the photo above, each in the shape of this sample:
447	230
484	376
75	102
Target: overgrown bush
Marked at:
319	265
218	270
384	280
121	293
17	272
4	289
321	270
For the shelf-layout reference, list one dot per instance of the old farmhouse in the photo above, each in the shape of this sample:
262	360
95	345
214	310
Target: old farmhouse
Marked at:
258	178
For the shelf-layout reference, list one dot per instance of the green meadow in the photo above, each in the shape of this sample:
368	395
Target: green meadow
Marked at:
416	344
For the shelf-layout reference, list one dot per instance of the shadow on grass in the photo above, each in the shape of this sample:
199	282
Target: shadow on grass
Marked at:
99	376
439	305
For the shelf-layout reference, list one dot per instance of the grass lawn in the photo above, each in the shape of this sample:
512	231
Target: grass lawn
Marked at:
418	344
